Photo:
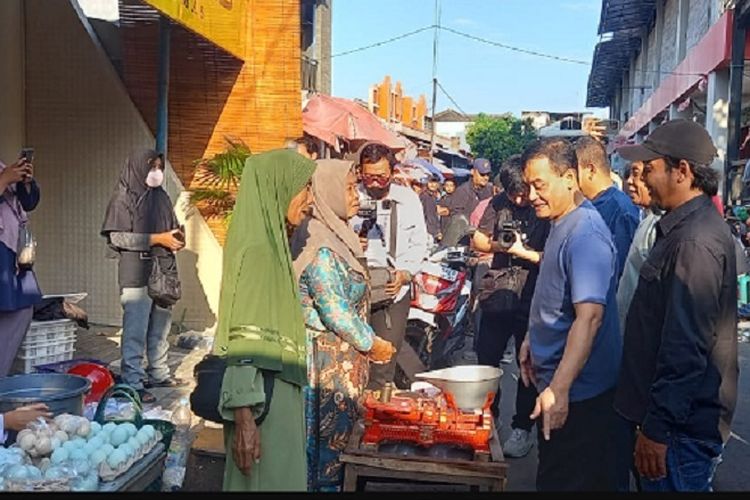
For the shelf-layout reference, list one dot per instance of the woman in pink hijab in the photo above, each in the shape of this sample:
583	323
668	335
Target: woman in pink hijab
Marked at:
19	291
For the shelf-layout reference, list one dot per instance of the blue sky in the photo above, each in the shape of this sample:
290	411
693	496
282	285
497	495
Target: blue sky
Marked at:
479	77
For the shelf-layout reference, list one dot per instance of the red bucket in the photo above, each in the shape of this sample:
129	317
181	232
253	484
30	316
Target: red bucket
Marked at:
100	377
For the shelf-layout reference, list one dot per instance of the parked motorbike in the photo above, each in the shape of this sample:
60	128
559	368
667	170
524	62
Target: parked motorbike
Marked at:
439	318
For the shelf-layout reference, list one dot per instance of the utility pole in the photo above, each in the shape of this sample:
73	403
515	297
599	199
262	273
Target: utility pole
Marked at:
434	76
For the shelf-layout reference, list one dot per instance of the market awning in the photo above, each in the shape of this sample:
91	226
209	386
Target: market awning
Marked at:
611	58
333	118
620	15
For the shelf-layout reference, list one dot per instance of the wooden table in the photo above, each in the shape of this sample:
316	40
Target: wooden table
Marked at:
144	472
361	464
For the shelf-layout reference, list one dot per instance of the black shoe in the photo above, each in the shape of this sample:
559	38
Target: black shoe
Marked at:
168	382
146	397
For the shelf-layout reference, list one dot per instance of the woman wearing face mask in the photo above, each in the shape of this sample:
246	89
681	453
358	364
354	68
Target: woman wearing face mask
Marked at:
331	268
261	330
140	225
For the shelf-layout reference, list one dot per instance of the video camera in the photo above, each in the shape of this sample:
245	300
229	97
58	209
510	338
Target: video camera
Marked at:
508	232
368	212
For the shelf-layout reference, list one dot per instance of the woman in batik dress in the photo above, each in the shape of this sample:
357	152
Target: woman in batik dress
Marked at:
329	262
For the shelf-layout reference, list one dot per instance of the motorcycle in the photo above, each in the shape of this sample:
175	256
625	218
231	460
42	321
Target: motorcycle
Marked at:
440	314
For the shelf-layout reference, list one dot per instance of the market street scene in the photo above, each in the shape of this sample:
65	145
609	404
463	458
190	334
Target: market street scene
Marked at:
331	246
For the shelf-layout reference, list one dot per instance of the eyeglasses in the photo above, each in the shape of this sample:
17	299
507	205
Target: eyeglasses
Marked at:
376	178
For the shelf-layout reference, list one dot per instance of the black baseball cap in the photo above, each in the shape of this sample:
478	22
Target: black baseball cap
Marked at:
681	139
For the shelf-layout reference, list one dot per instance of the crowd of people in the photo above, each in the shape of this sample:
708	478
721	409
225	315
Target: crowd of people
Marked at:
622	302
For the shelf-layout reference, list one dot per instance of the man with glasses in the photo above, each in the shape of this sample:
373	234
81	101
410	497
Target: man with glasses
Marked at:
469	194
397	241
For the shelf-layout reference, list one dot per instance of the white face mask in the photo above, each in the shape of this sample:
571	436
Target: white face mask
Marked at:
155	178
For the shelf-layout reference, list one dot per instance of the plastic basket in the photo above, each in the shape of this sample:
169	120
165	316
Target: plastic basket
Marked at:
25	364
64	366
49	331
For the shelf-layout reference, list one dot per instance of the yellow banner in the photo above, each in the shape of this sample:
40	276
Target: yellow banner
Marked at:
223	22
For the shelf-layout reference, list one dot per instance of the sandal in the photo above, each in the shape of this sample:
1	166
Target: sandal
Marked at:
146	397
168	382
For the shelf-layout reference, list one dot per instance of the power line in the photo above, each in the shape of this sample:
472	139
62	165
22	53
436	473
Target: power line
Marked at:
503	46
515	49
384	42
442	89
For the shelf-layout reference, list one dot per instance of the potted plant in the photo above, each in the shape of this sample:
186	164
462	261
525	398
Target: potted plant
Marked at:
219	179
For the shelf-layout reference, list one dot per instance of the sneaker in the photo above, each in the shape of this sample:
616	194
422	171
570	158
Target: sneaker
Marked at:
518	444
508	357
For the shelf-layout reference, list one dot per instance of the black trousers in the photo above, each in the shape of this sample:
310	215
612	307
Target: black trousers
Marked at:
582	455
494	333
389	324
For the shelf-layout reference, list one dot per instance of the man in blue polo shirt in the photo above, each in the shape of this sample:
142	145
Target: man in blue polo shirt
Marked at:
616	208
573	349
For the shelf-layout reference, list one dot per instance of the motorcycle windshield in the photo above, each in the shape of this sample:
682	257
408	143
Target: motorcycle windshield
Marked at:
457	232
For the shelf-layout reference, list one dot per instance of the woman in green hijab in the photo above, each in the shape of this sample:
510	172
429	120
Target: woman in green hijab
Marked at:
261	329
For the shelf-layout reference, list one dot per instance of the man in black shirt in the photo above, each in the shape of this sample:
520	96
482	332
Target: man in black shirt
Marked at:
429	207
678	381
505	302
470	193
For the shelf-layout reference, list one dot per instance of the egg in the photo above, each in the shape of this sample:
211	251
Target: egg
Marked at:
78	442
118	436
108	449
24	432
55	443
27	442
130	428
127	449
79	454
70	426
97	457
116	458
55	472
43	445
134	443
96	428
84	428
142	439
109	427
34	473
61	435
19	472
82	467
60	455
68	446
148	428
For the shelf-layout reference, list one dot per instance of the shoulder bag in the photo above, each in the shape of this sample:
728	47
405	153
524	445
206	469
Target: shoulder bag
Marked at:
164	286
209	376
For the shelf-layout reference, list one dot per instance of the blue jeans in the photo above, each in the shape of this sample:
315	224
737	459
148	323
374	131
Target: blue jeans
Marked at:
691	464
145	327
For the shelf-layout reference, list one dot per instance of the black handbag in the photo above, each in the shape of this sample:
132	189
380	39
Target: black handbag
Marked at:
209	375
164	286
500	289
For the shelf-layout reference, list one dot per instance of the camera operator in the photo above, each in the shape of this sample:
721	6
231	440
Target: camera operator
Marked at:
397	243
505	291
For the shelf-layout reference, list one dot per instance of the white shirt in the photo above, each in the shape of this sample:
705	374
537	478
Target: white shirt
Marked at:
643	241
411	234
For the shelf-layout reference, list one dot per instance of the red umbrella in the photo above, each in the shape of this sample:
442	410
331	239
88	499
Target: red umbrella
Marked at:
330	118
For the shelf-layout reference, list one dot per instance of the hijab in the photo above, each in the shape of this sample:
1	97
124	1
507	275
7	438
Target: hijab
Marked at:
12	216
135	207
327	227
260	318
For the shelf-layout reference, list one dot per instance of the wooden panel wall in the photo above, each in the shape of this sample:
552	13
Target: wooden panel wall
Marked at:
214	95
